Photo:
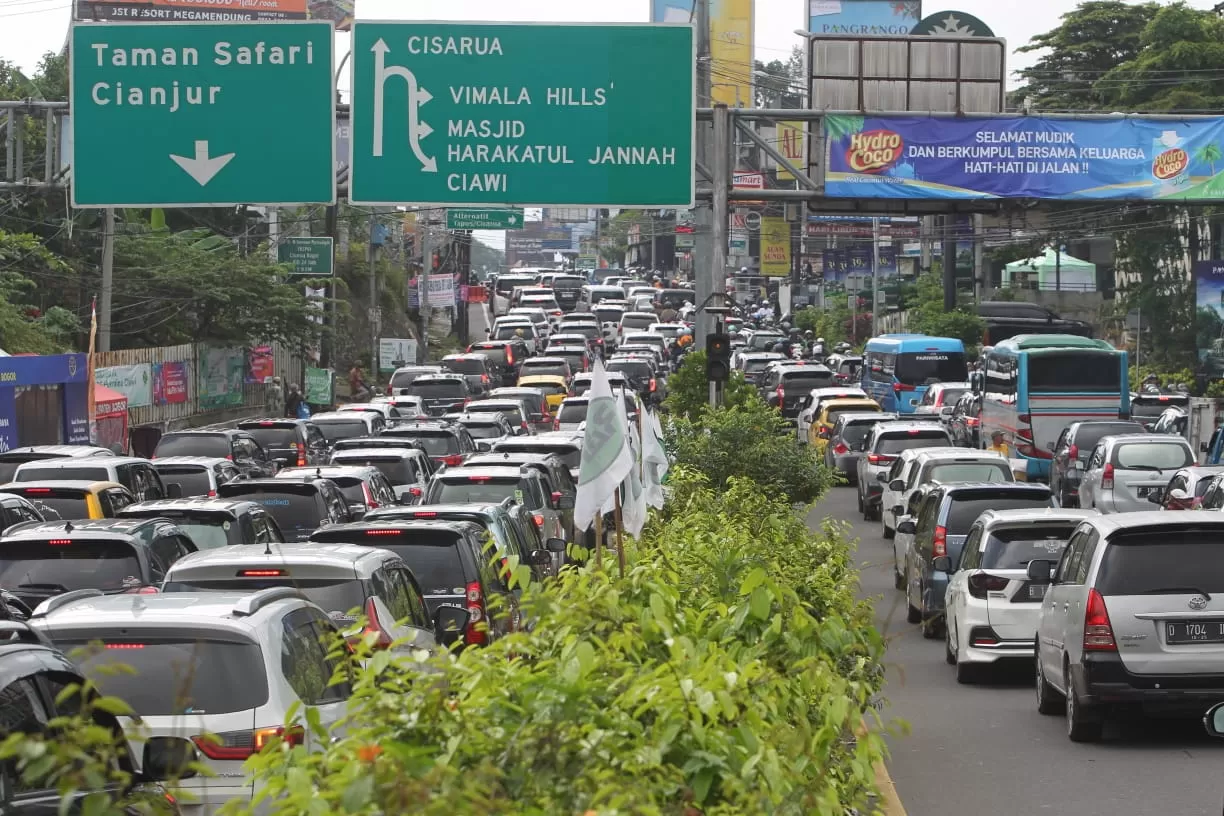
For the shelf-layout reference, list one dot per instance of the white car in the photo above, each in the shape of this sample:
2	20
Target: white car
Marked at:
950	465
220	669
536	315
992	608
811	405
571	416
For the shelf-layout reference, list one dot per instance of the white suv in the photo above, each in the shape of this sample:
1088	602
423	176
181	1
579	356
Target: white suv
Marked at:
221	669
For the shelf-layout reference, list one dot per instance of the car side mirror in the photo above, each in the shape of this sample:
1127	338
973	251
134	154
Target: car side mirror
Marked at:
907	527
556	545
1213	720
897	486
942	564
564	502
174	490
169	758
449	623
1039	571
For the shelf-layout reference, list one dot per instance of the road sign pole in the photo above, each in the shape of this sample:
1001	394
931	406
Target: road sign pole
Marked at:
716	272
108	280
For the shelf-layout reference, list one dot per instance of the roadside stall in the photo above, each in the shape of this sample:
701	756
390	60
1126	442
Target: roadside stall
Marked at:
111	413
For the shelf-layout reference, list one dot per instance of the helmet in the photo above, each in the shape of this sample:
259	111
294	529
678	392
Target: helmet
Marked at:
518	332
786	325
820	339
793	332
809	334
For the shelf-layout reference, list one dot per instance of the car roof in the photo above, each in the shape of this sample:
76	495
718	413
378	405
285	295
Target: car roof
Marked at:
207	431
160	611
492	471
954	454
1115	522
69	462
70	484
375	453
542	379
547	359
907	426
84	528
345	415
867	416
571	400
325	472
825	404
233	506
59	450
1142	437
1015	487
317	554
203	461
1036	515
942	385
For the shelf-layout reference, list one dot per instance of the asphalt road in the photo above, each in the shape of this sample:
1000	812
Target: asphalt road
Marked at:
984	749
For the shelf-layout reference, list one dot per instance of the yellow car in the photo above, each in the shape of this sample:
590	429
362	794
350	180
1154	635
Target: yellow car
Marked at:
822	426
73	499
553	385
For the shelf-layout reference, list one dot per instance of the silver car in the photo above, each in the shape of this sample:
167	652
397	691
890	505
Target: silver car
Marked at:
884	444
1124	470
1133	619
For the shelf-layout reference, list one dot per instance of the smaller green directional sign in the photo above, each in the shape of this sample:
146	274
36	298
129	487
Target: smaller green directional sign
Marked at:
484	219
310	257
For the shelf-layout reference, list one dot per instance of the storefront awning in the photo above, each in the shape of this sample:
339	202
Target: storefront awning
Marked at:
109	402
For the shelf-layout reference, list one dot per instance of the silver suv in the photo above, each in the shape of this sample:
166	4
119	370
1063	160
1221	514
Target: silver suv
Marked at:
1133	618
1124	470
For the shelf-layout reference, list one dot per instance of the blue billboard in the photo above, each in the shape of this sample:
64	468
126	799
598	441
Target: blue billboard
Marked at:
984	157
861	17
671	11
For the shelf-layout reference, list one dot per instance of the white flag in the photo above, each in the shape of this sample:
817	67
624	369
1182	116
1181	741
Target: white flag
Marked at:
633	505
606	457
655	459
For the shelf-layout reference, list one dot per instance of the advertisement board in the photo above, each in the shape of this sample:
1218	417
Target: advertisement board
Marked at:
791	144
775	247
221	375
923	157
871	17
132	381
167	11
1209	316
169	383
731	33
394	352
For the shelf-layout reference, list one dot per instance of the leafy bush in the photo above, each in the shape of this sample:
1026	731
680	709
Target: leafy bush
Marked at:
750	441
1183	376
928	316
688	391
726	674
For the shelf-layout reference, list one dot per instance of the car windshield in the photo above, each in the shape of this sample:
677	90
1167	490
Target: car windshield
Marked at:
67	474
484	430
479	489
511	332
637	322
337	597
573	412
214	445
548	303
273	437
568	282
855	433
1152	455
194	481
542	368
292	511
1175	562
57	503
397	471
891	445
66	564
832	414
632	369
920	367
965	472
171	676
431	554
762	342
1013	548
965	511
949	396
435	390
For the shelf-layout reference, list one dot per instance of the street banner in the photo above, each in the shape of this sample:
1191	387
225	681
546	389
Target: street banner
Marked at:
132	381
169	383
195	11
318	386
855	17
792	144
775	247
989	157
221	374
606	458
261	365
1209	316
440	292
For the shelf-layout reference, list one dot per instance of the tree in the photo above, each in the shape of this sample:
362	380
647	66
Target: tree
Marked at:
688	391
780	84
24	328
927	315
1091	40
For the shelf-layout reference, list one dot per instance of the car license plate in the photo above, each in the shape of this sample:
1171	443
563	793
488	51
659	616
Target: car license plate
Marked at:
1207	631
1143	492
1036	592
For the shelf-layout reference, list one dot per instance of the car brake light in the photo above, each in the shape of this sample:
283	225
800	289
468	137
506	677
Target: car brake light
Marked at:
29	490
972	422
914	432
1107	477
370	501
525	428
239	745
382	532
879	458
125	645
301	452
415	491
509	356
538	518
230	457
556	496
939	545
476	614
59	542
1073	452
653	384
479	478
980	583
453	460
144	590
840	449
484	378
375	627
212	494
425	514
780	393
1098	633
260	573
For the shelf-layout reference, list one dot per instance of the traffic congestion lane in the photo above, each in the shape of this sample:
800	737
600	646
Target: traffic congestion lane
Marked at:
984	748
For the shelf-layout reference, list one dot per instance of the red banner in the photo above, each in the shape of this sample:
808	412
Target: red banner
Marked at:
169	383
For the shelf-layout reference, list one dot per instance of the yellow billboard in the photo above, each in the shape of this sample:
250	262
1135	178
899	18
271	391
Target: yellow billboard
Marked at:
790	145
775	247
731	52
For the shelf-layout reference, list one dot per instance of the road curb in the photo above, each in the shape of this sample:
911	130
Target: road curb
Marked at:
889	801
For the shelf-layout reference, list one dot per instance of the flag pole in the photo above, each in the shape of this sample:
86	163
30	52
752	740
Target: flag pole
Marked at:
620	541
91	400
599	533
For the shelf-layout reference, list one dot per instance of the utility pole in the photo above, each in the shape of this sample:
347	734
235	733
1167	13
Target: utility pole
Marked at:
423	286
875	277
949	262
273	234
375	314
108	280
464	238
703	218
979	259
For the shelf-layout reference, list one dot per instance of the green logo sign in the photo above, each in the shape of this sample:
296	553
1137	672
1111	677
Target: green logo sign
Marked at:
604	439
311	257
951	24
588	262
202	114
452	114
484	219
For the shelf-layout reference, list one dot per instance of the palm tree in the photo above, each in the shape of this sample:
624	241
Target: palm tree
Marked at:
1209	153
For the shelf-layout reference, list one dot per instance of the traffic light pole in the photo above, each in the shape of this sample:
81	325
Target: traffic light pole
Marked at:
716	386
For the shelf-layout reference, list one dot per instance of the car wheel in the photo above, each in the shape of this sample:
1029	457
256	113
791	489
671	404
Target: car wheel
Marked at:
1084	723
898	579
912	613
886	531
1049	701
931	628
858	496
949	652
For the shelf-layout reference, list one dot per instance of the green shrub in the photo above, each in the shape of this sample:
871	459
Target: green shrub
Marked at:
726	674
688	391
751	441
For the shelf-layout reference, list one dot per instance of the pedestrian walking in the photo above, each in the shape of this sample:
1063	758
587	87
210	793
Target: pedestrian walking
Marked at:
293	401
274	398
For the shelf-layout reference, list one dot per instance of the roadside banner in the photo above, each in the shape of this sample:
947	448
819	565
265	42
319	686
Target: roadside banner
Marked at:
654	457
132	381
169	383
606	458
989	157
634	509
1209	316
775	247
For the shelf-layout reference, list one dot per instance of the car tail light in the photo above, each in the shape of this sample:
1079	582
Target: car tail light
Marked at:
239	745
144	590
425	514
557	423
823	433
524	426
1073	452
556	496
939	545
983	636
370	501
30	490
260	573
538	518
212	494
476	614
301	452
840	449
415	491
899	387
879	458
1107	478
653	384
375	627
1098	633
382	532
484	378
780	394
454	460
972	422
509	356
60	542
230	457
980	583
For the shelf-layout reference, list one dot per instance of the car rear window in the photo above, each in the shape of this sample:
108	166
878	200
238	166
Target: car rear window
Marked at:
965	511
573	412
61	567
921	367
832	414
568	282
543	368
1087	436
631	369
1152	456
513	413
436	443
211	533
635	322
214	445
511	332
1014	548
431	554
334	429
465	489
465	366
539	301
496	354
398	471
571	455
506	285
607	315
350	488
450	388
67	474
335	596
1174	562
194	480
550	389
892	444
855	433
961	472
1080	371
949	396
292	510
57	502
273	437
171	676
403	379
806	380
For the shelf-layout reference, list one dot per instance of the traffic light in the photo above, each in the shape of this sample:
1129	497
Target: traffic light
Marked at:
718	357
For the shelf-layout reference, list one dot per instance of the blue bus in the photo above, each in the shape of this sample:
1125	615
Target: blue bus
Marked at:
1035	385
897	368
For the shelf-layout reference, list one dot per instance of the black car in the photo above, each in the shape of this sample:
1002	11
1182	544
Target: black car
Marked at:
787	387
965	423
338	425
212	523
472	367
299	507
447	443
504	357
641	376
44	559
441	394
240	447
34	682
567	289
1071	452
298	442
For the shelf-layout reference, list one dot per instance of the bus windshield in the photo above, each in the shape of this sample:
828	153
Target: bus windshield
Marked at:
1079	371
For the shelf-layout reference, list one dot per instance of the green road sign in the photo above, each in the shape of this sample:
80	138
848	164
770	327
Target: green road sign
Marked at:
202	114
454	114
310	257
484	219
587	262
